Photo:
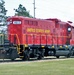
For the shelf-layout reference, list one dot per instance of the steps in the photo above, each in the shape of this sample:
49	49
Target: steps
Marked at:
6	44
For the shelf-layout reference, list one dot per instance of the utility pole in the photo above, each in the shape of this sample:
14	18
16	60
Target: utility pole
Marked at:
34	8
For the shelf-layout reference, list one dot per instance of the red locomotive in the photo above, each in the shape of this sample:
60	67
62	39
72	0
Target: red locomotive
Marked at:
30	37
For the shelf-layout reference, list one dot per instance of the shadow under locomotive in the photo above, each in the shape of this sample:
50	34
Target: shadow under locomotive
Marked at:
31	59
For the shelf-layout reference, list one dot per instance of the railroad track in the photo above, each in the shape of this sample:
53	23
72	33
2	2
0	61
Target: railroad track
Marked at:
34	60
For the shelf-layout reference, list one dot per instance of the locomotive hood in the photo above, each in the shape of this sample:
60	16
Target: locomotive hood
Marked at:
71	23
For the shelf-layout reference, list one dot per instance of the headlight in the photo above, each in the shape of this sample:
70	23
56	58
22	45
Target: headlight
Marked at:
69	29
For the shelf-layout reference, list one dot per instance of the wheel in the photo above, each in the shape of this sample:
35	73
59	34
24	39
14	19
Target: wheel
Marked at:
72	52
40	56
57	56
13	55
12	59
68	56
26	55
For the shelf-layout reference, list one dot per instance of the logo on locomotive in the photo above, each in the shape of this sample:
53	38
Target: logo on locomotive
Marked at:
38	30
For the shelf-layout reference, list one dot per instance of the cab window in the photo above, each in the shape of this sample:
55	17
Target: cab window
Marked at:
16	22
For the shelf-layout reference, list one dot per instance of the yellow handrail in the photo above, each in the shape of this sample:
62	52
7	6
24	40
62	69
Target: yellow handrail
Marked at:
18	46
2	38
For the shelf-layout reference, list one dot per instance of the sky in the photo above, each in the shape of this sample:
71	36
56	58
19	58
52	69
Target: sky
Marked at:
61	9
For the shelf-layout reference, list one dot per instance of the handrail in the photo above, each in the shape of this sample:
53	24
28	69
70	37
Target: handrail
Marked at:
17	38
2	39
18	47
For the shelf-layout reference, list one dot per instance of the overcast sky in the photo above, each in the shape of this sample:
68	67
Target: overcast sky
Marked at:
62	9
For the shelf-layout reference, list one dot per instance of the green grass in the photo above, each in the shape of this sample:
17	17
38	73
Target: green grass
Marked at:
63	67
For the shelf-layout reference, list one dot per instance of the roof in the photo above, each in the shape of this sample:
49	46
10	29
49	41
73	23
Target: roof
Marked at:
21	17
72	24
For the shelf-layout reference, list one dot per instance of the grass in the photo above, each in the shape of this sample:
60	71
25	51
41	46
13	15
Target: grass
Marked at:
63	67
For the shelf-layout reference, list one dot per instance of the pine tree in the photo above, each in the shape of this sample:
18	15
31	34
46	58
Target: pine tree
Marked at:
21	11
2	13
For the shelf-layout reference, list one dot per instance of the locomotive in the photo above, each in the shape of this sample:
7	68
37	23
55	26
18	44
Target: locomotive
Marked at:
36	38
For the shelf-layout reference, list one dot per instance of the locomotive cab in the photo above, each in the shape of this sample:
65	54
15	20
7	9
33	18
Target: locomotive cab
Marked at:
14	29
9	48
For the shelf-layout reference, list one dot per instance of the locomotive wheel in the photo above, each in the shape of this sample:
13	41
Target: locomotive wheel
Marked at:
12	59
13	55
40	56
72	51
26	55
25	58
57	56
68	55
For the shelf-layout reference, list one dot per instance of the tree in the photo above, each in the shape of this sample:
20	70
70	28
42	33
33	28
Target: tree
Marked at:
21	11
3	16
2	12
